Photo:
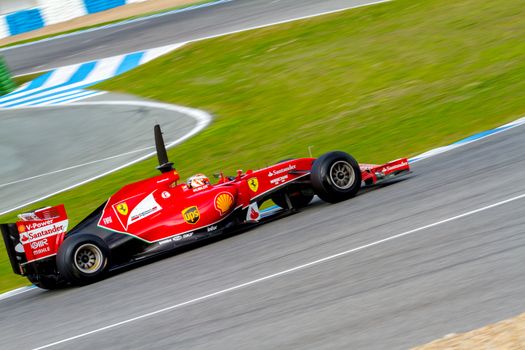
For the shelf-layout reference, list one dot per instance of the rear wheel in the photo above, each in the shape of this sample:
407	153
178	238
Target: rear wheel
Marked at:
83	259
335	177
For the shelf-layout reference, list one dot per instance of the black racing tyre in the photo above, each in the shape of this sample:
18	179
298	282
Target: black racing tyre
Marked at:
83	259
46	282
335	177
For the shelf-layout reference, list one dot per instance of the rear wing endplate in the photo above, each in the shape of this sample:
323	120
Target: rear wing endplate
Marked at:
14	248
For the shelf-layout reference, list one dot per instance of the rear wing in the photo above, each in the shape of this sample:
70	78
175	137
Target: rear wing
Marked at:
36	236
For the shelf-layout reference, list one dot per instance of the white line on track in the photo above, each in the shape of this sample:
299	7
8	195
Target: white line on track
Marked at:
76	166
284	272
17	291
203	119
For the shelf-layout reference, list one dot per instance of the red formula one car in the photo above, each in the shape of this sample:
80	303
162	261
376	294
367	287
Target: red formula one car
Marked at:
160	214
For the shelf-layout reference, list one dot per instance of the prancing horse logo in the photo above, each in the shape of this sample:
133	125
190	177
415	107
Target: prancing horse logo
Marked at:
253	183
122	208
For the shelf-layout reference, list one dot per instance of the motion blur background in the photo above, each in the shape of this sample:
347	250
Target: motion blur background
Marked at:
22	16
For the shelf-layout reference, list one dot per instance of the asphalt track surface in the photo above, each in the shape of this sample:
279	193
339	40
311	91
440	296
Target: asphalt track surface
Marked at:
192	25
47	149
451	276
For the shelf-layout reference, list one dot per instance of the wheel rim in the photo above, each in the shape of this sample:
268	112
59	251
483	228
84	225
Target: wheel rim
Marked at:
342	175
88	258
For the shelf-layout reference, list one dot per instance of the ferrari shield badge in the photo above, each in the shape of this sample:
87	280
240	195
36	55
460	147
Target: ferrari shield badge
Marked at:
191	215
122	208
253	183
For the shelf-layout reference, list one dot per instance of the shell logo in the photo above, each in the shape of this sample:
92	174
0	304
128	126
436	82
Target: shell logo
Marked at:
21	228
223	202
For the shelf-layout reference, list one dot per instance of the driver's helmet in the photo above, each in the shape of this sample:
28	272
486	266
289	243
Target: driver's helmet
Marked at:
198	180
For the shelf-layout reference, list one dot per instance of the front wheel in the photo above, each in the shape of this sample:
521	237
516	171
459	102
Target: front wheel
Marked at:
335	177
83	259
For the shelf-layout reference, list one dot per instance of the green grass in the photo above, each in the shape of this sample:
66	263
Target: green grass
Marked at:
381	82
42	37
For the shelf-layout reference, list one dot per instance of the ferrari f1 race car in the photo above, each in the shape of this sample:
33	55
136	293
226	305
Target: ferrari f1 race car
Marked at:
159	214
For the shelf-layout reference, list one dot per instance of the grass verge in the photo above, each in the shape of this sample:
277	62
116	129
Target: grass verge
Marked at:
382	82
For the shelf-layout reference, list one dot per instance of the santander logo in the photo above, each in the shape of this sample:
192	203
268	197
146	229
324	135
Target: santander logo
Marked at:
39	230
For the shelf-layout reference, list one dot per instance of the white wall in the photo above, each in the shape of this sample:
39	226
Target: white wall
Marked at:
8	6
4	31
55	11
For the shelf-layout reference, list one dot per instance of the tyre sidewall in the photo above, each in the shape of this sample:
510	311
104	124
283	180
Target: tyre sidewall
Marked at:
66	256
321	182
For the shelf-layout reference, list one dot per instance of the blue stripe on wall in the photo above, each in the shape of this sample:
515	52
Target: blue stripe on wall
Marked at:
24	21
94	6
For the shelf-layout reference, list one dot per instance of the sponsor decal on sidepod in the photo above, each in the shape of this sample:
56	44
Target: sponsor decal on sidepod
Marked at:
279	180
280	171
223	202
191	215
253	213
